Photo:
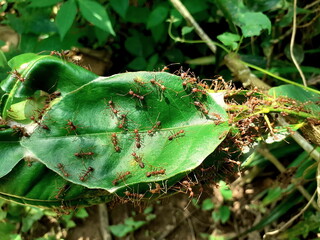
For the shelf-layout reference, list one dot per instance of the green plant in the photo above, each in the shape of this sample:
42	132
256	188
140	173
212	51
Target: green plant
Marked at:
134	130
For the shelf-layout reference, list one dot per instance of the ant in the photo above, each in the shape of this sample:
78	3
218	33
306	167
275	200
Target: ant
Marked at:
71	126
52	96
157	172
137	138
114	140
156	83
134	195
201	107
20	130
135	95
63	54
62	191
61	168
188	185
17	75
175	135
39	124
112	107
156	190
155	127
138	159
121	176
123	121
83	154
139	81
86	173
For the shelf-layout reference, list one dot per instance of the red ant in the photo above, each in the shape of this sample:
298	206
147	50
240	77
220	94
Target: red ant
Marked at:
157	172
137	138
114	140
71	127
17	75
156	190
61	168
154	82
154	128
62	54
20	130
201	107
83	154
112	107
62	191
86	173
123	121
134	195
188	185
52	96
39	124
139	81
121	176
188	82
138	159
175	135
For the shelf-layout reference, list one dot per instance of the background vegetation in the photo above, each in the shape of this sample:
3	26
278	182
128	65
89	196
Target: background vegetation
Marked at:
114	36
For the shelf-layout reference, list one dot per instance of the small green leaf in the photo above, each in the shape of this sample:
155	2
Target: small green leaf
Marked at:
137	14
6	229
130	225
65	17
185	30
273	195
230	40
157	16
148	210
223	214
225	191
297	51
252	23
120	6
41	3
82	213
96	14
33	215
207	204
139	63
3	59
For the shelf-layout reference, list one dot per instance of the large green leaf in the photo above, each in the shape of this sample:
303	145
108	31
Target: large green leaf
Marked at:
87	107
307	99
95	13
167	131
65	17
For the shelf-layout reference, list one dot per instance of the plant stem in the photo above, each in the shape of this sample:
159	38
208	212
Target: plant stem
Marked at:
185	13
266	109
293	35
280	78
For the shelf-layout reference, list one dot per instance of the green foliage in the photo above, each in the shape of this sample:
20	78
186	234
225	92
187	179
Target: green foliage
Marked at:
137	34
230	40
222	214
65	17
130	225
225	191
115	150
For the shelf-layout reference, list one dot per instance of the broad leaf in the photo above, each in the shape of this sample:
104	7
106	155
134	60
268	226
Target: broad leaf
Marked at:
251	23
65	17
111	133
310	99
95	13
